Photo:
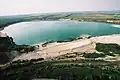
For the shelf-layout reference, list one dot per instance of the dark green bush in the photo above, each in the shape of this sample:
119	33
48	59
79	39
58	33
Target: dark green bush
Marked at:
93	55
108	48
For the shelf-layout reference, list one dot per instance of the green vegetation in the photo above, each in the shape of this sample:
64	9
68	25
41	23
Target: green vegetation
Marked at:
79	16
117	16
93	55
24	61
108	48
9	20
24	48
28	70
6	45
67	67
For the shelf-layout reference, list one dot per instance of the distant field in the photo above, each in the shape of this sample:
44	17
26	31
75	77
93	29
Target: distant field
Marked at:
8	20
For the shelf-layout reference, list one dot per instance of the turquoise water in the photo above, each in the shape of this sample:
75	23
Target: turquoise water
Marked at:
41	31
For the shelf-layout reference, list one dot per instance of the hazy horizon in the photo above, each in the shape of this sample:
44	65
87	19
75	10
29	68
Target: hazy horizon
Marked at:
18	7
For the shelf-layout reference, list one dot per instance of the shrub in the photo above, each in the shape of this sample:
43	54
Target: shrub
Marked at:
93	55
108	48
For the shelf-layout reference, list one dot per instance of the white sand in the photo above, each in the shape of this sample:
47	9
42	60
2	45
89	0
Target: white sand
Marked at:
107	39
117	26
57	49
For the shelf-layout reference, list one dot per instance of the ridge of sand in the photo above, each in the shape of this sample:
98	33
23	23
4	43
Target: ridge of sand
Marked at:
81	45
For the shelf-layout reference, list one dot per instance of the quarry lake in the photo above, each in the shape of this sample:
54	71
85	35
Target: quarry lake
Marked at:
40	31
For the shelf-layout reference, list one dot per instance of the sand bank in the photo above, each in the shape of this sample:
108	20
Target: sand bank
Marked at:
57	49
117	26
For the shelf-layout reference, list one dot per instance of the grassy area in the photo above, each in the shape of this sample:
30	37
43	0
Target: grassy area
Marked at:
67	67
108	48
46	69
24	48
93	55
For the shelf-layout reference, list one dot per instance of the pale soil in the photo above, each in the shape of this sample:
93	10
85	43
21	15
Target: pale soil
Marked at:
57	49
107	39
116	26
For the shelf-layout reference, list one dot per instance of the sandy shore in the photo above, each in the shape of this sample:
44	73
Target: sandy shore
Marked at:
115	38
117	26
57	49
